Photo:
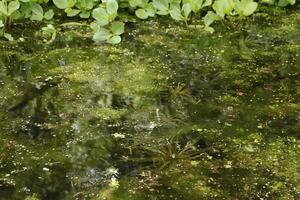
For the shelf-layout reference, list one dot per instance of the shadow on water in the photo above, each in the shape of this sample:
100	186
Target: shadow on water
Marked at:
163	115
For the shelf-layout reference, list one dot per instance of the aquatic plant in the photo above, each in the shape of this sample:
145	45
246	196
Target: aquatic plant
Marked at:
108	18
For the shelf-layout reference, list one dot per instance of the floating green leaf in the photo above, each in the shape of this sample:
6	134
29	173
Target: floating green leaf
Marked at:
12	7
176	14
49	14
162	5
72	12
245	7
114	40
141	13
223	7
283	3
117	28
63	4
101	35
210	17
187	9
85	15
101	16
112	7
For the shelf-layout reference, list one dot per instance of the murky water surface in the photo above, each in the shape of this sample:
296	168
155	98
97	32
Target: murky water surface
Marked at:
170	113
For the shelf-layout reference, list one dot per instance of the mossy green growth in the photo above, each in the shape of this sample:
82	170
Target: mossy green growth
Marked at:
163	115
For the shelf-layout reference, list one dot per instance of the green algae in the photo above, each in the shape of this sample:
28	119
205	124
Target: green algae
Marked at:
170	113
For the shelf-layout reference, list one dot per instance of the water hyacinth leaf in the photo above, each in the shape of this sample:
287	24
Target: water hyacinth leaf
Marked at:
95	26
187	9
245	7
150	9
36	17
12	7
85	15
223	7
112	7
195	4
114	40
102	35
49	14
210	17
85	4
283	3
63	4
161	5
117	28
176	14
37	12
36	8
3	8
101	16
1	23
72	12
141	13
135	3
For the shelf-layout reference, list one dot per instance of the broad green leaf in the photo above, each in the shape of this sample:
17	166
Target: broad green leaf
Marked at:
12	7
36	9
85	15
141	13
245	7
84	5
176	14
63	4
210	17
49	14
135	3
101	16
72	12
112	7
223	7
162	5
95	25
3	8
150	9
283	3
114	40
187	9
26	10
1	23
196	5
101	35
117	28
36	17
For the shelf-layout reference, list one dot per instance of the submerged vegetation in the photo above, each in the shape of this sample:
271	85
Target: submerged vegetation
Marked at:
107	17
169	113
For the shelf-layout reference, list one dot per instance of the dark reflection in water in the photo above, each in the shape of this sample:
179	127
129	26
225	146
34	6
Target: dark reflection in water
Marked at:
171	113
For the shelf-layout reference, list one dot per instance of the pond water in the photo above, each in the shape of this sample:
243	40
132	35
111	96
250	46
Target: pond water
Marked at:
170	113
